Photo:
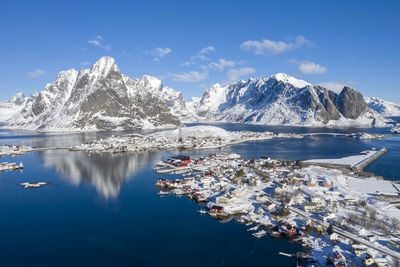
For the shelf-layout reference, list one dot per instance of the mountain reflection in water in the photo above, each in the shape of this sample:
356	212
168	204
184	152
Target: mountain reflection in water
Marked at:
106	172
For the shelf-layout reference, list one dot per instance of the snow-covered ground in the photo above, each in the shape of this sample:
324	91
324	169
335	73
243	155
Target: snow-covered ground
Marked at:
195	131
14	150
347	161
195	137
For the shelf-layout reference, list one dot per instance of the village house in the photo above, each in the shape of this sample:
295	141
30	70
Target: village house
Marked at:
317	199
359	249
310	207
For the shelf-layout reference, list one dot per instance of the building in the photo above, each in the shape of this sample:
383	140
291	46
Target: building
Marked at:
310	207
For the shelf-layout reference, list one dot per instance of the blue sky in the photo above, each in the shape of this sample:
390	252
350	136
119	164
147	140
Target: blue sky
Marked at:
192	44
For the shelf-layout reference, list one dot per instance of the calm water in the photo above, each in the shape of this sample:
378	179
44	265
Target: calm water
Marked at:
103	210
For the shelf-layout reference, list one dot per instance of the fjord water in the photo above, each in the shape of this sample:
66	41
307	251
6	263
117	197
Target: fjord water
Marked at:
103	210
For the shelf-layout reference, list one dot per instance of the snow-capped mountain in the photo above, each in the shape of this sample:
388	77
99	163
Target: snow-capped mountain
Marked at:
99	98
383	107
15	105
171	98
284	100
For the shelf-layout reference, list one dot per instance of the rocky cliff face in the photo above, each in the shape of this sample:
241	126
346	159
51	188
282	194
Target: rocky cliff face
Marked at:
351	104
284	100
100	98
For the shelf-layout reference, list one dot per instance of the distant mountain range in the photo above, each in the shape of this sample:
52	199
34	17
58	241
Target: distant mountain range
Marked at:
383	107
101	98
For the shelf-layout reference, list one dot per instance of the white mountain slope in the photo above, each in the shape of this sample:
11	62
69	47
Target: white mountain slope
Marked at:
15	105
100	98
285	100
383	107
171	98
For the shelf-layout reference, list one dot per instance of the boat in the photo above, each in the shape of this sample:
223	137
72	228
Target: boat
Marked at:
276	234
396	128
33	184
286	254
260	234
162	193
202	211
255	228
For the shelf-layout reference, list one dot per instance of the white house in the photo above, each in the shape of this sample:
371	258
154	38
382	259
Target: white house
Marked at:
317	199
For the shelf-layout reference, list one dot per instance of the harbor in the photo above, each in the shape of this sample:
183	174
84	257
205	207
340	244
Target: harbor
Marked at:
273	203
272	199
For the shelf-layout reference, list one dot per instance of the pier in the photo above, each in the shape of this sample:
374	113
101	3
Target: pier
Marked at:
353	163
364	163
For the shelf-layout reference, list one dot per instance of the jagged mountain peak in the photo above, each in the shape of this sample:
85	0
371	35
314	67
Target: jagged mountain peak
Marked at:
104	65
17	99
347	89
151	82
99	98
286	78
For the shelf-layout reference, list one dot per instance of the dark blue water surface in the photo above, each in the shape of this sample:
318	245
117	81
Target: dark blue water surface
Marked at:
103	210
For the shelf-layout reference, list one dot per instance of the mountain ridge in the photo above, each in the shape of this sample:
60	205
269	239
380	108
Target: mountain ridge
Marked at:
284	100
102	98
99	98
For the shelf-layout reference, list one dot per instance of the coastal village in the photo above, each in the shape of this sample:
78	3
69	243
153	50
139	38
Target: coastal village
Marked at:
341	217
340	214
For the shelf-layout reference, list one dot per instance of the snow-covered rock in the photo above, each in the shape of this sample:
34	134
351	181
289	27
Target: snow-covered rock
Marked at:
100	98
15	105
172	99
285	100
383	107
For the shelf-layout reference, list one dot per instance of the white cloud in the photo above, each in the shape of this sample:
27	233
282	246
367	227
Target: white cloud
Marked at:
159	53
337	86
269	47
203	52
94	42
36	73
235	74
221	64
98	43
85	64
308	67
201	55
190	77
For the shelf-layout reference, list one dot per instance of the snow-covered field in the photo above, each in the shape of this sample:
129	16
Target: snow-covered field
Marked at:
347	161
